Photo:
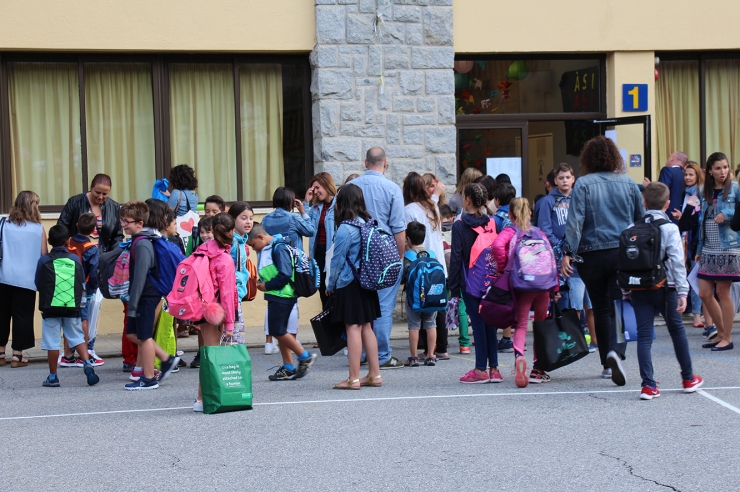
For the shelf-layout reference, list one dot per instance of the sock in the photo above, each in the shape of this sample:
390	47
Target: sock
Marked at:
52	376
289	367
138	369
305	355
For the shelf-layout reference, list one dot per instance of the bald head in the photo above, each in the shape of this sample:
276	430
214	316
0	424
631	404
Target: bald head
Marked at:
375	159
678	159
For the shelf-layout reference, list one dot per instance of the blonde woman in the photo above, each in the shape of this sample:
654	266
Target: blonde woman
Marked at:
468	177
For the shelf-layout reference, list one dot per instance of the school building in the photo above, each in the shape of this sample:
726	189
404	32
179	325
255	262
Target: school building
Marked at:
255	94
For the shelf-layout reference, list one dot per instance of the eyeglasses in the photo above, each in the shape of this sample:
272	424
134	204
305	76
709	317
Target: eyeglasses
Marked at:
127	222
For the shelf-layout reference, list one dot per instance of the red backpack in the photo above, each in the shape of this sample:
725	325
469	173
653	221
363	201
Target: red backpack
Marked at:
193	297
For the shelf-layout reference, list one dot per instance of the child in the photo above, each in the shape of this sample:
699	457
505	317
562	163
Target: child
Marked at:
224	282
354	306
143	299
89	255
502	196
670	301
415	234
448	217
243	217
205	229
60	307
275	271
214	205
503	246
464	235
170	232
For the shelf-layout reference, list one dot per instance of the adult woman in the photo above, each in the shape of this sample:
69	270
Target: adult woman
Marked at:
468	176
23	242
183	182
605	201
718	248
108	232
321	198
433	185
420	207
284	222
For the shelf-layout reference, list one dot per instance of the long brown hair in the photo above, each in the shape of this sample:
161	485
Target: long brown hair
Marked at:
428	178
327	182
709	179
350	204
222	226
697	171
415	191
25	209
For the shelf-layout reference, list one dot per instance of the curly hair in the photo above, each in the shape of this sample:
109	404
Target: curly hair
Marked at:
415	191
182	177
25	209
601	155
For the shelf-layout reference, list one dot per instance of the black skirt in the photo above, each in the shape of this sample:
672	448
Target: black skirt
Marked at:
353	305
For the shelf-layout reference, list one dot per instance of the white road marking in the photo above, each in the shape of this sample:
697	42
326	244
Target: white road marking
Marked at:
390	398
717	400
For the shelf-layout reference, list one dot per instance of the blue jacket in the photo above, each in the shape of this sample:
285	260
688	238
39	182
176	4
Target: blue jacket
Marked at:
347	242
314	213
553	214
187	199
289	225
672	177
602	205
239	248
726	205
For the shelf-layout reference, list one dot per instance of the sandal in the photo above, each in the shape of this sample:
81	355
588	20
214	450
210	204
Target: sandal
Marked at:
3	360
348	384
372	381
18	363
183	333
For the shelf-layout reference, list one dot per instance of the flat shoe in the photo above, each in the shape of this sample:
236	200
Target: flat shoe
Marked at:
372	381
729	346
3	360
709	345
348	384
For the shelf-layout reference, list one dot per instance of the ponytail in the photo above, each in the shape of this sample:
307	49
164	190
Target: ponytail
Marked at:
520	213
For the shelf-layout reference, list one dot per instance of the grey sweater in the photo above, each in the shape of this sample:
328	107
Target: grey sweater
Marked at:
143	259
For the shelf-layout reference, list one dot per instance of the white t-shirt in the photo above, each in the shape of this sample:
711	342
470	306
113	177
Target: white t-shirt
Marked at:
433	239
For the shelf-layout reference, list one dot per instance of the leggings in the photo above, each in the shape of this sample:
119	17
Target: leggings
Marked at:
524	303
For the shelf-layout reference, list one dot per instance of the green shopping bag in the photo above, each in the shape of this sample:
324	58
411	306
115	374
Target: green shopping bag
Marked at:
225	378
164	335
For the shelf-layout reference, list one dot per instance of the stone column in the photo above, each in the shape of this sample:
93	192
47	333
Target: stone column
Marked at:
388	84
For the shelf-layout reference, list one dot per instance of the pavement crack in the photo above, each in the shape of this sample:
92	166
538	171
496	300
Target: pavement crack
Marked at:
631	471
597	397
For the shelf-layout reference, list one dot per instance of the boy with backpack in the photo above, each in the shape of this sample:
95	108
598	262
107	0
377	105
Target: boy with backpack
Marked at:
426	291
653	275
276	271
60	283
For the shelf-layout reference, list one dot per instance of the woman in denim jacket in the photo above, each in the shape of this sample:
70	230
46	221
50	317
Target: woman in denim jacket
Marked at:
321	198
604	202
284	222
352	305
718	249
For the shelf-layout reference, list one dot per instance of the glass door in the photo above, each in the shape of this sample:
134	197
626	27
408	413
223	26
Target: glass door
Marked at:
632	137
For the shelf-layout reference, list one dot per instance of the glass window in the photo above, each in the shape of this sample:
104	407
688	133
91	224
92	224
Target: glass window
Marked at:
45	149
527	86
677	118
202	127
119	110
723	108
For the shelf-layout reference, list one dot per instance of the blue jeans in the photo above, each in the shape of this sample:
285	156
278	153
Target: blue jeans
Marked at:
645	303
695	299
384	324
486	341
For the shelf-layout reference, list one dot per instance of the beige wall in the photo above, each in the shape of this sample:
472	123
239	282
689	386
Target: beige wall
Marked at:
158	25
487	26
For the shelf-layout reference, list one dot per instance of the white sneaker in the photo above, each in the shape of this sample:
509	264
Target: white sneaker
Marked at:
271	348
197	406
97	361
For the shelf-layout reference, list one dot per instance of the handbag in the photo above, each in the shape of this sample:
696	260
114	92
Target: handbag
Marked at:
559	340
187	222
626	321
164	334
329	335
94	314
498	307
225	378
452	317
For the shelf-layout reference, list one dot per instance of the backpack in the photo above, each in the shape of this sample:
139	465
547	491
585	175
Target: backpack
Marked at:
60	285
79	249
426	285
306	275
106	267
534	268
252	282
498	307
169	256
380	263
193	290
639	264
246	277
505	220
482	267
118	282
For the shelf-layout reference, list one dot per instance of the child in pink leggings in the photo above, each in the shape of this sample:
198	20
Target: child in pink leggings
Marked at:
503	247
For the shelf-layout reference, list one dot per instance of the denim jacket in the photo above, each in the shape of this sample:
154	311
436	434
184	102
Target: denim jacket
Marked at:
726	205
602	205
314	212
346	248
289	225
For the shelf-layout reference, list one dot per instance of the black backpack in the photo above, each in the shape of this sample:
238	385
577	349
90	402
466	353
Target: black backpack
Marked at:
640	264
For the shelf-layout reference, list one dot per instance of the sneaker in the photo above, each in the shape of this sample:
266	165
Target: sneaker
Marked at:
68	361
271	348
135	375
614	361
693	384
505	346
181	363
391	363
97	361
305	365
592	347
197	405
143	384
430	361
195	364
51	382
168	366
176	369
464	350
283	374
128	367
709	330
495	375
649	392
442	356
713	335
606	373
520	379
92	378
412	362
538	376
475	377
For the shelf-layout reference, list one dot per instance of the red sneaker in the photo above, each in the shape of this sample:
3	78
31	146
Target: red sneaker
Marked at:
464	350
520	379
693	384
649	392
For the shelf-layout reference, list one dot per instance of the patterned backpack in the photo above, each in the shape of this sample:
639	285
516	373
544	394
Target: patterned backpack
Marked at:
306	275
482	267
380	263
534	268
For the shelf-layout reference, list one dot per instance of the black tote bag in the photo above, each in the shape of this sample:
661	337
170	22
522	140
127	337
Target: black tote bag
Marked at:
328	334
559	340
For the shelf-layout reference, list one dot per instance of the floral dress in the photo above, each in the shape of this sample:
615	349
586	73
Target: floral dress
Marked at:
717	263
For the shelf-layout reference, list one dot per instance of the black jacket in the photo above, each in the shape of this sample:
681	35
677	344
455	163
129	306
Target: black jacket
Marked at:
111	233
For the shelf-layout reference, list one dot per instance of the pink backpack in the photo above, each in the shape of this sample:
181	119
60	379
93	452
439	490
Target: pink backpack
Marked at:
482	267
193	294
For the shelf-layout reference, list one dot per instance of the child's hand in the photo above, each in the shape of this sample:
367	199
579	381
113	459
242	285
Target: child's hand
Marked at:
681	305
299	206
565	268
261	287
720	218
693	201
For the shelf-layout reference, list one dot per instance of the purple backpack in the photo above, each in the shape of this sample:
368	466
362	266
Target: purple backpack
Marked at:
534	267
498	306
482	267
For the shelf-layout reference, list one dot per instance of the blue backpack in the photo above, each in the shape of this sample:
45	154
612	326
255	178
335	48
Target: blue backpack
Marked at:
168	257
380	263
426	285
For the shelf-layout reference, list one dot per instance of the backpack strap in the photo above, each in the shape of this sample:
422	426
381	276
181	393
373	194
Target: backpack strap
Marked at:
2	228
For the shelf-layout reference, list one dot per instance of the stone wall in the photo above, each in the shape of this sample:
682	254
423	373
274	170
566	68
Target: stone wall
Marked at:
392	87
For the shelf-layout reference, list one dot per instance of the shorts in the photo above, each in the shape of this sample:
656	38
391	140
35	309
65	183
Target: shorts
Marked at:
419	320
85	310
292	322
143	324
51	328
578	295
278	317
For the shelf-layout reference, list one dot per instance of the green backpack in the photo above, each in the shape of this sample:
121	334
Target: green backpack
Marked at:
60	285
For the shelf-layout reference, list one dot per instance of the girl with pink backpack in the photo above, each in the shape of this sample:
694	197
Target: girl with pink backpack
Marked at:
525	250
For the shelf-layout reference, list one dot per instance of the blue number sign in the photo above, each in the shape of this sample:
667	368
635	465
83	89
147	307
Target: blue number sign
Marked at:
634	97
